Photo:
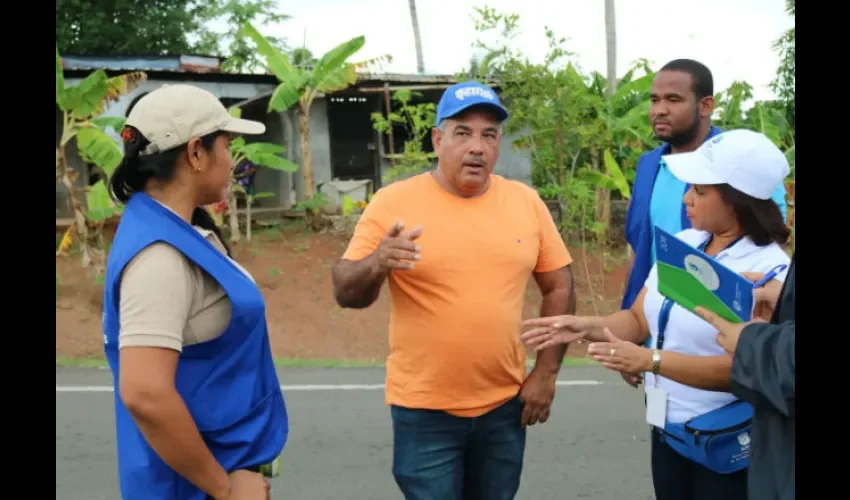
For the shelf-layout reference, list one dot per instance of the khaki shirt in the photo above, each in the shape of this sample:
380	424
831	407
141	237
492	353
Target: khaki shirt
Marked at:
167	301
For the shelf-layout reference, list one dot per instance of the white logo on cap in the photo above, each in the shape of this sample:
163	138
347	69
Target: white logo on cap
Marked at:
706	149
461	94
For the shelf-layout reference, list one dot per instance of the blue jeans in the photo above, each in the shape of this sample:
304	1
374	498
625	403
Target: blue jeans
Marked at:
438	456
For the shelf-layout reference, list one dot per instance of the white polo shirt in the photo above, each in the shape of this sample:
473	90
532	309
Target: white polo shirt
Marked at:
689	334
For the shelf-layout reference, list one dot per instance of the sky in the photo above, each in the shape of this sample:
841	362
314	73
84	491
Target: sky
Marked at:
732	37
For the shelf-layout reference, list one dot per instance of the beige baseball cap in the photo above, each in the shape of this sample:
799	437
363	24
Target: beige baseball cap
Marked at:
172	114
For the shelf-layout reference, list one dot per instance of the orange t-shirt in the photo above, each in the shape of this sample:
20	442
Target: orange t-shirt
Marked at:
455	318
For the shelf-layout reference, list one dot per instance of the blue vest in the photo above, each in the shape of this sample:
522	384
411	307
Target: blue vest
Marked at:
229	384
638	224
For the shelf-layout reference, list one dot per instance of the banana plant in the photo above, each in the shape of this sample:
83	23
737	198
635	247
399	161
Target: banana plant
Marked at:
767	117
82	106
262	154
612	179
300	85
624	134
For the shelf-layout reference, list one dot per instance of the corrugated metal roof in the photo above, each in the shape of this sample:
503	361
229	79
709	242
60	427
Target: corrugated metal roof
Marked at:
406	78
176	64
211	64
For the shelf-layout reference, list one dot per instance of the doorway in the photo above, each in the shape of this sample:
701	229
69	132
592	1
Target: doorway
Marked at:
353	140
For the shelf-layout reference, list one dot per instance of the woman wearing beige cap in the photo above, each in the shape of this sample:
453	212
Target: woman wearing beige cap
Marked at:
700	431
198	407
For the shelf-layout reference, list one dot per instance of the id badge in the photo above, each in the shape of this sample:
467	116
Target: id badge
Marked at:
656	406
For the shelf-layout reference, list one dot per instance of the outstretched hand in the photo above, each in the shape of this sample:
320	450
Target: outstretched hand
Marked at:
621	356
554	330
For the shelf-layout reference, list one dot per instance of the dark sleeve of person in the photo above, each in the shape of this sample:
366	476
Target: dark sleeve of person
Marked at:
763	370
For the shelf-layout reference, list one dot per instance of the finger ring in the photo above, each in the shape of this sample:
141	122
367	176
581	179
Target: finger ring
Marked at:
613	351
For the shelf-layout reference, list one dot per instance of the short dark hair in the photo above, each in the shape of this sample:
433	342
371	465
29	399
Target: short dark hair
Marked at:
134	171
761	220
703	82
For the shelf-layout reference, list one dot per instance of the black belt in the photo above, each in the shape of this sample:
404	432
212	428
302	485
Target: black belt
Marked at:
253	468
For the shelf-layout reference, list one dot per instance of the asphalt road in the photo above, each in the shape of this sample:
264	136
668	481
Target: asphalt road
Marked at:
595	445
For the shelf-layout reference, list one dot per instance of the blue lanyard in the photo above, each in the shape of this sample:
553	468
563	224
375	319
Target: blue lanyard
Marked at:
667	305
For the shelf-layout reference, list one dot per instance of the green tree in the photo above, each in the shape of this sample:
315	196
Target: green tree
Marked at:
582	143
418	119
233	14
126	27
784	84
165	27
302	57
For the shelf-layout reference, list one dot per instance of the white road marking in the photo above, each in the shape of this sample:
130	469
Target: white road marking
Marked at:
304	387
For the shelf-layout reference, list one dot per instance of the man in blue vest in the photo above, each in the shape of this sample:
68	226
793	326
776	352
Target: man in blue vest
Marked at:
680	114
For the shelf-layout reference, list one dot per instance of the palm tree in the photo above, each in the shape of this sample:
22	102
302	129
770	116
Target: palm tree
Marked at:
604	195
611	46
420	61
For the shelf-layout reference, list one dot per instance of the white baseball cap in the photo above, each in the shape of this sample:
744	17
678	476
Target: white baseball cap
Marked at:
172	114
746	160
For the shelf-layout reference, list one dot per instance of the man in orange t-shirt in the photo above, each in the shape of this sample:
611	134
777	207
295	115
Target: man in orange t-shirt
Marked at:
457	387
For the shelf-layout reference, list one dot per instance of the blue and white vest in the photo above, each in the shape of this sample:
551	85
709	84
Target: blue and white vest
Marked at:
229	383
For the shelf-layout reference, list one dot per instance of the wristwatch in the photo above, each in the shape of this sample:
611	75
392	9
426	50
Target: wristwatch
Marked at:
656	361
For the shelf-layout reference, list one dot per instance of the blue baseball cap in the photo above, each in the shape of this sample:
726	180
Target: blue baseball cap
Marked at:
464	95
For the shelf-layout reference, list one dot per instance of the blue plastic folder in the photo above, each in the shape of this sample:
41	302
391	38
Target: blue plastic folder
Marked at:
691	278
